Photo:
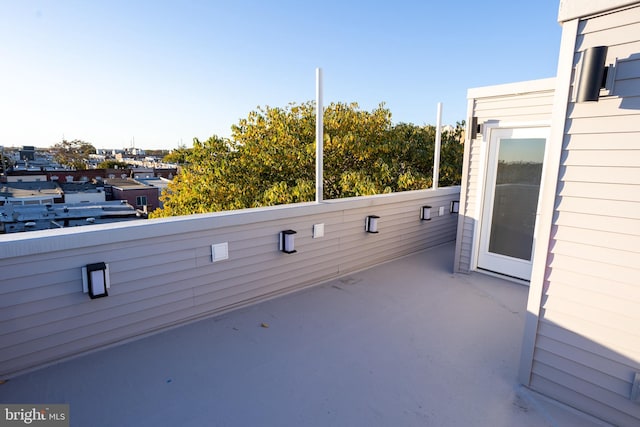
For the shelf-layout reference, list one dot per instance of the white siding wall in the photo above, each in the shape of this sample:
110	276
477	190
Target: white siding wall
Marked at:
518	103
587	348
162	274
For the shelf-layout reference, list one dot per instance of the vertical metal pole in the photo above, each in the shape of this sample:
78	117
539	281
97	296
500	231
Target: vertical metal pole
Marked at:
436	148
319	137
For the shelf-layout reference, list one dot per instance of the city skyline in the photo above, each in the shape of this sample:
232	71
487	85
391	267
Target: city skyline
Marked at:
161	74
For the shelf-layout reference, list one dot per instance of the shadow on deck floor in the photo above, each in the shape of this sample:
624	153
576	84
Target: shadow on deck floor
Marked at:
405	343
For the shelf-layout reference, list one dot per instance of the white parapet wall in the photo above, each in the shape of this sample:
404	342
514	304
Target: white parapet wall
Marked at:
162	271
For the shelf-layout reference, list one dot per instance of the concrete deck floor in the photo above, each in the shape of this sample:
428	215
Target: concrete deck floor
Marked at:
405	343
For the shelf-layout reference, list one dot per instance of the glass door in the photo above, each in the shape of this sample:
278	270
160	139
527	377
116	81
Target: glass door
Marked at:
512	187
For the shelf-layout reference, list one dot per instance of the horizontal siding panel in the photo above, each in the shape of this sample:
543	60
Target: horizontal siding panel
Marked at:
556	390
154	252
626	345
254	285
594	287
610	142
619	34
119	294
488	106
613	320
608	106
57	278
627	88
599	191
598	222
510	100
618	158
597	254
614	304
605	272
465	264
380	245
613	208
516	111
87	323
42	293
164	317
604	125
601	174
620	370
609	20
79	333
587	387
593	376
628	69
560	334
543	117
554	387
79	307
469	224
34	306
593	239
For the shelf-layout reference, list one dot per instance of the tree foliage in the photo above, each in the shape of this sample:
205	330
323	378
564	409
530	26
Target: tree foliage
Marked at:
270	159
73	153
178	156
451	156
112	164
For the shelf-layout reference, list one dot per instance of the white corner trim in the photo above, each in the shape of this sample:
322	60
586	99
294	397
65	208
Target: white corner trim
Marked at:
547	197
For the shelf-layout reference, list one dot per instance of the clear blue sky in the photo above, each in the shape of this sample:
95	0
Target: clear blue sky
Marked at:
161	72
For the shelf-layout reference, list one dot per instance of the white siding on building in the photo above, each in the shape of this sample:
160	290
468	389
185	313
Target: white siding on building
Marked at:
162	273
515	103
587	346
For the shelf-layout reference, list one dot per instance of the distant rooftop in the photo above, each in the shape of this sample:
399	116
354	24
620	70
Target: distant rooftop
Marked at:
124	183
155	182
74	187
29	189
17	218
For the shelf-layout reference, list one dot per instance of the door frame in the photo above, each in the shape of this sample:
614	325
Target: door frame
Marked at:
487	130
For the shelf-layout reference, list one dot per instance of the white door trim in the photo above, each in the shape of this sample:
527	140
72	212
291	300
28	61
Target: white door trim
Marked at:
487	130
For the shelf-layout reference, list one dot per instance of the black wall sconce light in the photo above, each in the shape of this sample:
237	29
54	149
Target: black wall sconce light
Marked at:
475	128
95	280
593	74
455	207
371	224
425	213
287	241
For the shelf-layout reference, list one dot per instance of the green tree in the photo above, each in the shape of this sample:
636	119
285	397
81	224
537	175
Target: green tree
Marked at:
112	164
177	156
356	150
270	159
451	156
73	153
205	183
